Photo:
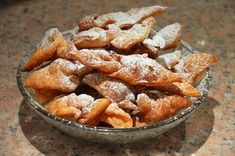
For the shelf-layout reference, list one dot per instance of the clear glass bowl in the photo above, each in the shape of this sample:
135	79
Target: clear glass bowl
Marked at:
113	135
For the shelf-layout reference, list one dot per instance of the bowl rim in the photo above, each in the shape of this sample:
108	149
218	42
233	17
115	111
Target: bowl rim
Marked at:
37	107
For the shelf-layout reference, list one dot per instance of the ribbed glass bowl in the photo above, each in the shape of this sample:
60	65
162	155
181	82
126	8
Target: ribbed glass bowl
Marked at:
112	135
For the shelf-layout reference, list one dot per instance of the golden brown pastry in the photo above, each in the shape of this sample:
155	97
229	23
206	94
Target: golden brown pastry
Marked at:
61	75
44	96
93	38
66	50
181	88
141	70
151	51
136	34
99	59
160	109
65	107
46	49
98	107
127	105
87	22
122	39
116	117
134	69
167	38
114	57
82	108
120	19
195	65
127	19
111	88
169	60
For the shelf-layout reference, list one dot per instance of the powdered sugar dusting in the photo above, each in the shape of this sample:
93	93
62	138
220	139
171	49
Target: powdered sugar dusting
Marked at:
144	98
169	60
158	42
165	37
93	33
83	102
130	37
48	38
169	33
109	87
144	65
86	102
125	19
65	64
179	68
66	82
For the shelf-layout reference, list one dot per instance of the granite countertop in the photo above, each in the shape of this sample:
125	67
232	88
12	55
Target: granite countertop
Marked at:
208	26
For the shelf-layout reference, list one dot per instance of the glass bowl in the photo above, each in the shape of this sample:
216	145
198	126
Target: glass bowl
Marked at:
113	135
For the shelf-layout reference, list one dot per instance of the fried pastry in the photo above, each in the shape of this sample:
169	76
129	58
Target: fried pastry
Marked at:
136	34
96	37
144	103
141	70
83	102
151	51
127	19
122	39
167	38
195	65
66	50
61	75
181	88
78	108
93	38
140	124
169	60
133	69
114	58
87	22
153	93
111	88
99	59
65	107
44	96
127	105
46	49
97	109
116	117
161	108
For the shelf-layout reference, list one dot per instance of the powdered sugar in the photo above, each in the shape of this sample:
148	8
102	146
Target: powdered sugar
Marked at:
66	82
65	64
169	60
83	102
109	87
144	98
48	38
128	38
126	19
169	32
158	42
166	37
86	102
144	65
93	33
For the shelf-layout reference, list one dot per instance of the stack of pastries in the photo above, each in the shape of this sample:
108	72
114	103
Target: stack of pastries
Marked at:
111	71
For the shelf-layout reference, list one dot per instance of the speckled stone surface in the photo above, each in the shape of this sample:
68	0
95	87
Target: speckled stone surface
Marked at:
208	26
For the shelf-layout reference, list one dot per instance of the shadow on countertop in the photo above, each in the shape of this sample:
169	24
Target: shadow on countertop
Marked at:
186	138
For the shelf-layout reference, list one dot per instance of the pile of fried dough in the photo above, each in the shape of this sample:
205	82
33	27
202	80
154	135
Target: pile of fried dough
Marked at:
110	71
